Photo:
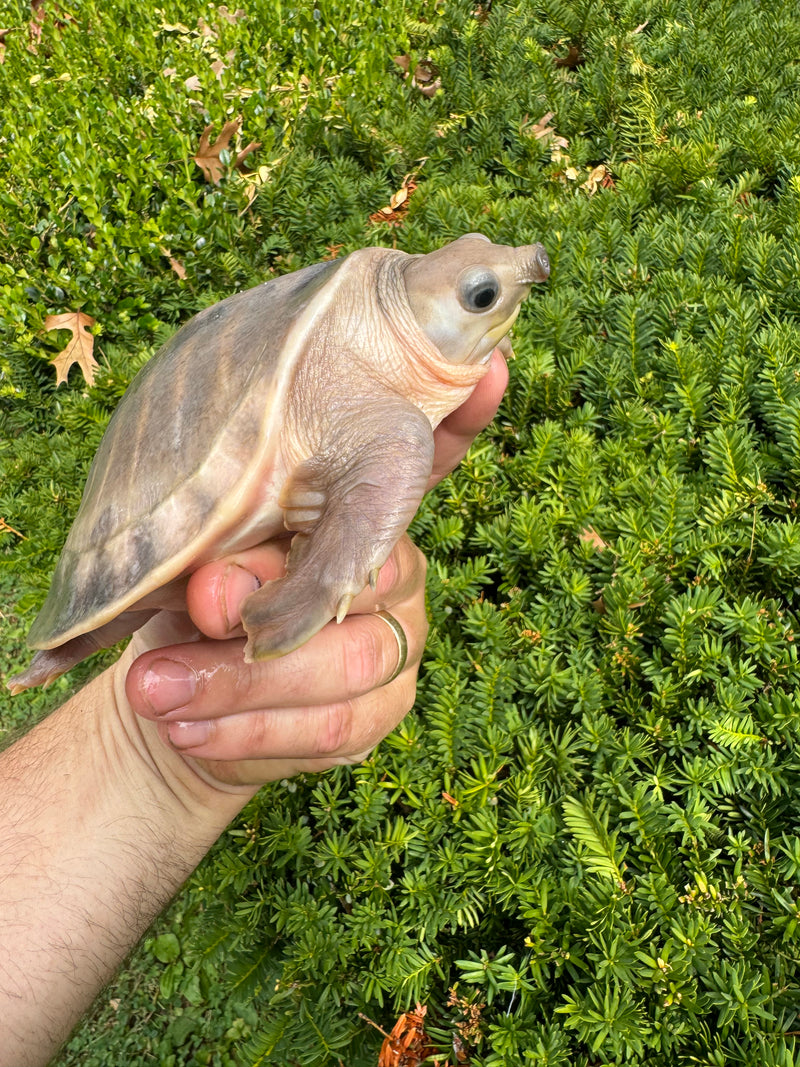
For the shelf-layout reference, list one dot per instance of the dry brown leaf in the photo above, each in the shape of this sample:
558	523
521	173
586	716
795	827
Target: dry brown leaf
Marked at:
193	84
39	15
543	131
395	210
590	536
426	78
231	16
35	25
176	265
597	177
207	157
80	348
408	1044
205	30
573	58
3	35
599	605
426	75
218	68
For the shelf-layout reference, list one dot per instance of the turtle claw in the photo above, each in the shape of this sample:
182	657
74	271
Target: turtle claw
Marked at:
373	578
343	607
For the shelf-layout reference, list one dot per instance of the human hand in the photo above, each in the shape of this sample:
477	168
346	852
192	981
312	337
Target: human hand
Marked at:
327	702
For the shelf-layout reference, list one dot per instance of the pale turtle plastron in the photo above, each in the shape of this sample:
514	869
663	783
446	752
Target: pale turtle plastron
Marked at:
307	404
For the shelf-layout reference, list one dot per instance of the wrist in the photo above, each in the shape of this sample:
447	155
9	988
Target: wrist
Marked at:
199	801
102	823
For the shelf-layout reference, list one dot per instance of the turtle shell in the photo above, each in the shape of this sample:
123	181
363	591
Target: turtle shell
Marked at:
188	445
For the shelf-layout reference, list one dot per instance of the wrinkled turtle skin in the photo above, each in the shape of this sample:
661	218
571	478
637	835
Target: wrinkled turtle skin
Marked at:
306	404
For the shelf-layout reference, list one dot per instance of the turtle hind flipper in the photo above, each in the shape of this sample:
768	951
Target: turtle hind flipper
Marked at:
50	663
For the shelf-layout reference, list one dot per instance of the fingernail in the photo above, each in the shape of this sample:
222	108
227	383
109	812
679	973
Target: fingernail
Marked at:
237	583
168	685
188	734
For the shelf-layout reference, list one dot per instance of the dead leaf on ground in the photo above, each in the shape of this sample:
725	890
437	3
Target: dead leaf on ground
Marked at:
80	348
205	30
395	210
208	154
35	25
425	77
543	131
590	536
176	265
408	1044
231	16
600	175
573	58
3	35
193	84
39	16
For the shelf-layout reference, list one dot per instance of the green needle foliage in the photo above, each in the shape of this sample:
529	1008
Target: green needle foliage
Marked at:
581	847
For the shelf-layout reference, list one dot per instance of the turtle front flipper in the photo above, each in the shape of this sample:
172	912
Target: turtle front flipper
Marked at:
348	515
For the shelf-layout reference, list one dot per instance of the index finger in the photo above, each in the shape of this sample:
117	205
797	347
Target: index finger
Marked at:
215	592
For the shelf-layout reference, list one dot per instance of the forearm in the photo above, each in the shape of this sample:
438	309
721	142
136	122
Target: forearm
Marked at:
95	843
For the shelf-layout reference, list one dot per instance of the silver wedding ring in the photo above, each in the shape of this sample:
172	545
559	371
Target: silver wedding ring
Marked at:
402	642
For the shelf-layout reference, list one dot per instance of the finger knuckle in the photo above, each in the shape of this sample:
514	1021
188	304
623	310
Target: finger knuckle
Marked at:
335	729
412	564
365	659
406	691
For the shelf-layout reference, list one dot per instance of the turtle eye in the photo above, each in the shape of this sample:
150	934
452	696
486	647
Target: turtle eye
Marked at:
478	289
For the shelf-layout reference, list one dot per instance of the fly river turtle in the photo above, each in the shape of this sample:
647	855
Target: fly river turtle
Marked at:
305	404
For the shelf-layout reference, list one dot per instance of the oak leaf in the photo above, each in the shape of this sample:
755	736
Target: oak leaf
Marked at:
208	154
80	348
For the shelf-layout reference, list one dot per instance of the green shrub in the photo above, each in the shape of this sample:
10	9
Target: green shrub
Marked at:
587	827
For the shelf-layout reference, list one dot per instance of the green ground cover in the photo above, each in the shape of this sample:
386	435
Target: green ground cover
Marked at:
610	692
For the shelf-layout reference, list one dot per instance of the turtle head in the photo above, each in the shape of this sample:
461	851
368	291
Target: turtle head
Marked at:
466	295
